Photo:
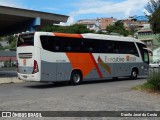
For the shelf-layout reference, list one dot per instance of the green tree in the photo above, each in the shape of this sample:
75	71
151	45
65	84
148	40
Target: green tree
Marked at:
53	28
152	6
12	42
118	27
155	21
10	38
1	47
76	28
79	28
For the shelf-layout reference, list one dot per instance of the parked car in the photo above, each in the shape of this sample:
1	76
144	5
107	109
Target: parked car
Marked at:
154	64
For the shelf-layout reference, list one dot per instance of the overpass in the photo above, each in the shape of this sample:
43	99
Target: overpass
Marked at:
15	20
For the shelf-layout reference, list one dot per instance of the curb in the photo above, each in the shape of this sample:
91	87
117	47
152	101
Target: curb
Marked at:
6	80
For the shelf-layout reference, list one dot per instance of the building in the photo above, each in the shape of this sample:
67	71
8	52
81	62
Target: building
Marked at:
146	36
98	24
104	22
136	23
140	18
7	58
92	24
132	25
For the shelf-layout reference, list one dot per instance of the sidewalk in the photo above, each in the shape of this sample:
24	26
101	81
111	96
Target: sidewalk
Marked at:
4	80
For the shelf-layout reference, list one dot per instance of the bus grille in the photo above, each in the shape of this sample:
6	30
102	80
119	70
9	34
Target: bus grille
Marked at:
25	55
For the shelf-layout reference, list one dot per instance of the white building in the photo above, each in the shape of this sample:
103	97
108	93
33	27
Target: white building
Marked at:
92	24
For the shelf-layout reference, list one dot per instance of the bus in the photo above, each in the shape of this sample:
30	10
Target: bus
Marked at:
57	57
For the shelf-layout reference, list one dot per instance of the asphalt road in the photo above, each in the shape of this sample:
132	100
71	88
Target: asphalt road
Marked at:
90	96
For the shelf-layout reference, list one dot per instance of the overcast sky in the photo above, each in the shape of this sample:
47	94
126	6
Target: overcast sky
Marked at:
83	9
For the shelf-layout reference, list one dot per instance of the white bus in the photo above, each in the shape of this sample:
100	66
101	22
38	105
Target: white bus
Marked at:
56	57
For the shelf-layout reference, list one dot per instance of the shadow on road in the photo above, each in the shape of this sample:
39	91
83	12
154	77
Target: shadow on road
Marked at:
64	84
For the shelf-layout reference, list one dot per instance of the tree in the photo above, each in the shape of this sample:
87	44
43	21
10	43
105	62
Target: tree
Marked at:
155	21
1	47
118	27
12	42
10	38
152	6
76	28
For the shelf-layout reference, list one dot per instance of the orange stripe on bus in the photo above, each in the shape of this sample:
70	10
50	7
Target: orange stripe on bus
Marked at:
97	68
68	35
81	61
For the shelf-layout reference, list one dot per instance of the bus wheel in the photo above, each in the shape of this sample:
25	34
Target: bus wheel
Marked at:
115	78
76	78
134	74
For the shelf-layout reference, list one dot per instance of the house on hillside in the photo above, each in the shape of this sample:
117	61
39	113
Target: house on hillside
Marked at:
98	24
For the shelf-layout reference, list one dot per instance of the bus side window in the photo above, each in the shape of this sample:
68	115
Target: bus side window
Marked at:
90	49
117	47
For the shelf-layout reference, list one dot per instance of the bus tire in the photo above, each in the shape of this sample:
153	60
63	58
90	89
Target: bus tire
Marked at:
134	74
115	78
76	78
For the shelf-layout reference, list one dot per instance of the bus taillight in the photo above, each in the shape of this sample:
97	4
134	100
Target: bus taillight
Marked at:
35	67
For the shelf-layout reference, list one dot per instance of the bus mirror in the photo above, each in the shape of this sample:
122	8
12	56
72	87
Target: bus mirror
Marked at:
149	50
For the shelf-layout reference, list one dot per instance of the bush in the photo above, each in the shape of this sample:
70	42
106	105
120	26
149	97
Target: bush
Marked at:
154	79
7	64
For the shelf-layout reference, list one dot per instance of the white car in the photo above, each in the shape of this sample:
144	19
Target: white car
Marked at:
154	64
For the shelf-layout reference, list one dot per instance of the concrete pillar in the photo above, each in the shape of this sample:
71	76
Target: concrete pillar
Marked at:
34	23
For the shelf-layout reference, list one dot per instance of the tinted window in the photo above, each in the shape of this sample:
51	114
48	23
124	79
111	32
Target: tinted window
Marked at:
66	44
25	40
61	44
105	46
126	48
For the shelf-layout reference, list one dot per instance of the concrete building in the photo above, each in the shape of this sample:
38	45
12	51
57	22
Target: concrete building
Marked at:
104	22
7	58
152	41
130	24
136	23
15	20
98	24
146	36
92	24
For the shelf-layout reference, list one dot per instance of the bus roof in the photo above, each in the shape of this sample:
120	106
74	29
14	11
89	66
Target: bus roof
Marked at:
110	37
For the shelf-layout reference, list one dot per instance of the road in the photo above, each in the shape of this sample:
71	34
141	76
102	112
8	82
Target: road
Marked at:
90	96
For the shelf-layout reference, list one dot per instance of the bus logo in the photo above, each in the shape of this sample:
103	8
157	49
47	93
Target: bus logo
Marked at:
24	62
127	58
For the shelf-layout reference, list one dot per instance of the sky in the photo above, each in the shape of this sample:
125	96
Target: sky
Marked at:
83	9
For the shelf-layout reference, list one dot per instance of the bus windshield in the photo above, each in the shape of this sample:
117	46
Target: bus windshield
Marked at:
25	40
